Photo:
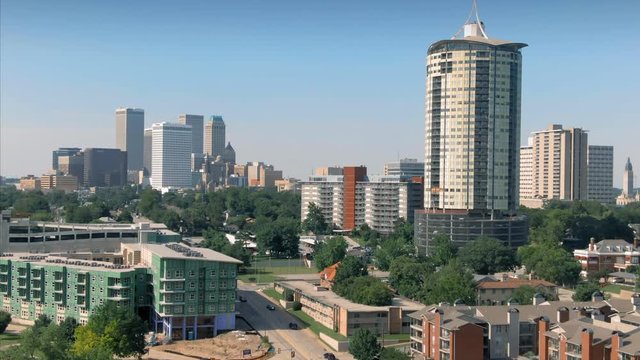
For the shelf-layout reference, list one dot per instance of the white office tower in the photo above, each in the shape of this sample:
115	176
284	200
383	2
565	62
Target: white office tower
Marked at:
171	156
129	136
197	131
600	174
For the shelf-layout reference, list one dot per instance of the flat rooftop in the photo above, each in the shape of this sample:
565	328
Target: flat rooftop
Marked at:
180	251
330	298
52	260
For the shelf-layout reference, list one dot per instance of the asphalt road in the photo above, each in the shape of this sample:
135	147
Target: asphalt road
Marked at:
275	325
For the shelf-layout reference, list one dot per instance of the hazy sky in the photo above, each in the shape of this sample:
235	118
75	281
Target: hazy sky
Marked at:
300	83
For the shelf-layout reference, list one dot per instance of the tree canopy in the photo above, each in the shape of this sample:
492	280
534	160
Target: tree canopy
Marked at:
487	255
315	221
453	282
364	345
329	252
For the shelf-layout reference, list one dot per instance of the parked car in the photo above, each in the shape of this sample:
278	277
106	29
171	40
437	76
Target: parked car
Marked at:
293	326
329	356
271	307
242	299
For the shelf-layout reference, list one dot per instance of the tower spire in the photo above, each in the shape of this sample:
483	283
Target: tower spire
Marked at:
473	26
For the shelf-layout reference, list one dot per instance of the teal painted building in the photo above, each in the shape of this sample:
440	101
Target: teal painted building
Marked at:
183	292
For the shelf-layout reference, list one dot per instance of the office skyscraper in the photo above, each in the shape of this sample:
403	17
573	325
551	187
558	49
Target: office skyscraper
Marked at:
129	135
171	156
62	152
105	167
600	174
472	139
147	150
197	129
214	136
405	168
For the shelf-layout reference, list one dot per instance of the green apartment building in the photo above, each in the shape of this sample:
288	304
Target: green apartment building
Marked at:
183	292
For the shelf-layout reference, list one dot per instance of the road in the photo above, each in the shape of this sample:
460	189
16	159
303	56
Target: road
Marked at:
275	325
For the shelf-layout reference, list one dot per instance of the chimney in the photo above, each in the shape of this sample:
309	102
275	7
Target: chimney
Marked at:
538	299
543	341
513	346
635	301
563	314
458	302
587	341
615	344
512	302
592	244
597	296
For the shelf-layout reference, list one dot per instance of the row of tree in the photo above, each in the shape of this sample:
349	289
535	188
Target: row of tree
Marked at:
112	331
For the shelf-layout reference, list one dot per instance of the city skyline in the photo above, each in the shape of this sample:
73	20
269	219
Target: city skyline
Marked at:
51	74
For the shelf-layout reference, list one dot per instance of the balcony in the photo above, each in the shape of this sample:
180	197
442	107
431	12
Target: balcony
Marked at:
118	286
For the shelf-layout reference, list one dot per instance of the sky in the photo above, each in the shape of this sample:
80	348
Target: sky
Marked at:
300	84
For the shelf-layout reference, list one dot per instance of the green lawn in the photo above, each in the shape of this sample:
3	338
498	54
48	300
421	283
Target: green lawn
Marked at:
268	274
317	327
615	288
9	339
272	293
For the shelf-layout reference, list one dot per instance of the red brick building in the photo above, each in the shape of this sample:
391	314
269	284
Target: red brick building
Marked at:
614	255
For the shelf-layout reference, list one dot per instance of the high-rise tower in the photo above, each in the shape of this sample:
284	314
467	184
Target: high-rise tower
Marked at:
472	114
472	138
627	179
171	156
197	128
129	136
214	136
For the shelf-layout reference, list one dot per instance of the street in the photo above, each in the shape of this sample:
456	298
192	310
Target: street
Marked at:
275	325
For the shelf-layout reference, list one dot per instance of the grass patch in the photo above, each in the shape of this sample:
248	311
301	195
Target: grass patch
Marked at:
317	327
270	274
615	288
272	293
400	337
9	339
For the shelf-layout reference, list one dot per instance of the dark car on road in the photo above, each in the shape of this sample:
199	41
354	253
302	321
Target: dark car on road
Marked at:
242	299
329	356
271	307
293	326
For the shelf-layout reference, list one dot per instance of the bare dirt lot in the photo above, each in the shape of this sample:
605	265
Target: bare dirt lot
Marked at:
227	346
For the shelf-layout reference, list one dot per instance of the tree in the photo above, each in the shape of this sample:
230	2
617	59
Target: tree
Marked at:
550	262
365	290
315	221
408	275
113	328
524	294
364	345
349	267
5	319
280	237
393	354
330	252
391	248
487	255
443	250
584	291
453	282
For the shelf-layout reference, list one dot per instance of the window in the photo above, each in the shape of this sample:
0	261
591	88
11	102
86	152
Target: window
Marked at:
179	273
192	285
192	296
192	309
192	273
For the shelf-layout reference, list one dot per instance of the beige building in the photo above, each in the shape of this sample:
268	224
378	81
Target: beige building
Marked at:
558	160
346	317
30	182
498	292
628	196
67	183
526	172
327	171
289	184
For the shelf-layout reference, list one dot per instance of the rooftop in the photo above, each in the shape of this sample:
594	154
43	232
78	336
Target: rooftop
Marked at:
330	298
48	260
179	251
511	283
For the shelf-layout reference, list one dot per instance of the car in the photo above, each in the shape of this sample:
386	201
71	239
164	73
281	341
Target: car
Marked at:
618	280
242	299
293	326
271	307
329	356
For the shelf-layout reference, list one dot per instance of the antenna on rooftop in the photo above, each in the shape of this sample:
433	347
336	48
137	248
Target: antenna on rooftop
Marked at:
473	24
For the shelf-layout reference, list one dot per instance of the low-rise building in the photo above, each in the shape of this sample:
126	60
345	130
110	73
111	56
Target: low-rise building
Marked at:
25	235
30	182
346	317
66	183
549	330
499	292
610	254
185	293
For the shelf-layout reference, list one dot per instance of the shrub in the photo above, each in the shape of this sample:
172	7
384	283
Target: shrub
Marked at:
5	319
297	306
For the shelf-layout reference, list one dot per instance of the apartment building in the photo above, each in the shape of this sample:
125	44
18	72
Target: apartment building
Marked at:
405	168
185	293
490	292
354	199
544	329
600	174
346	317
558	169
526	173
609	254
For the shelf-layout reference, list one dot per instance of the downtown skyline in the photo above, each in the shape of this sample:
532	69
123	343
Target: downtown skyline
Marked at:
281	72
